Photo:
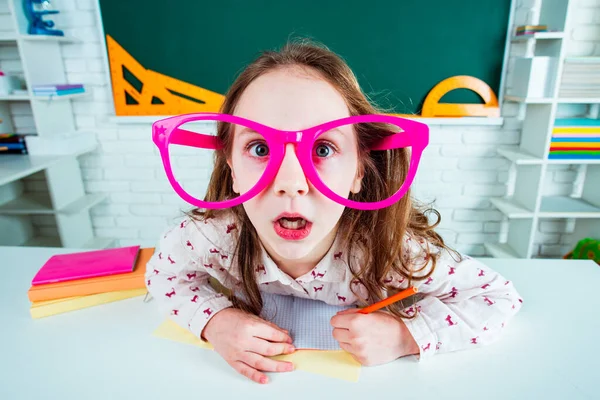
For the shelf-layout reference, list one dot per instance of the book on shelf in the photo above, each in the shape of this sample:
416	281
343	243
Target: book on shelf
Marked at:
11	143
575	138
57	89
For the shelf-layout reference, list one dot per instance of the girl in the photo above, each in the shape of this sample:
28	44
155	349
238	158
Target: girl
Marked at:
292	238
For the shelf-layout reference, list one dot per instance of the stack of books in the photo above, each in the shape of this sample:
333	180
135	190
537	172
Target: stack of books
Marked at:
68	282
11	143
57	89
530	29
580	77
575	139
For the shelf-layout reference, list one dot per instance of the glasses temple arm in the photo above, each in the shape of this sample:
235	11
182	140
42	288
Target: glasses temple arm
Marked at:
187	138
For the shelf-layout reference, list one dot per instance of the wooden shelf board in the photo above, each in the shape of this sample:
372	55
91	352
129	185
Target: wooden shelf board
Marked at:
567	207
43	241
574	162
15	166
26	205
511	208
519	157
538	36
578	100
49	38
30	204
63	97
86	202
15	97
500	250
529	100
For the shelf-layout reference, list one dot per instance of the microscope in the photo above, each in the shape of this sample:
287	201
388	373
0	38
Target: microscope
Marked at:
35	11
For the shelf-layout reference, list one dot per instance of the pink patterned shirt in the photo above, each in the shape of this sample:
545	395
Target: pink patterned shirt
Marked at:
465	304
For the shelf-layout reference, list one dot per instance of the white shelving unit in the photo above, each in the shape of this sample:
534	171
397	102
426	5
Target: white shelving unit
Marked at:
53	152
525	205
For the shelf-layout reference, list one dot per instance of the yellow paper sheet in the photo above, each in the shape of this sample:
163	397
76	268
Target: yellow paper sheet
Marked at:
52	307
333	363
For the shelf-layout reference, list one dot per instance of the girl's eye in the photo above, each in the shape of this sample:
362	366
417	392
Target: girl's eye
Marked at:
323	150
258	149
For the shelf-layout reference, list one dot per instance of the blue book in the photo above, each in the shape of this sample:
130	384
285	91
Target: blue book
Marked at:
576	122
572	157
575	139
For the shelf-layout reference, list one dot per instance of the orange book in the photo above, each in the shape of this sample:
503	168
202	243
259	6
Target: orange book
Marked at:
100	284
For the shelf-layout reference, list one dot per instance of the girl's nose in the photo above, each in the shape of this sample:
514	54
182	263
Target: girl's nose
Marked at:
290	179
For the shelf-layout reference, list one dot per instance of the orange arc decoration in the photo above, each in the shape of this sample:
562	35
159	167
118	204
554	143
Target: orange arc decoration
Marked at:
154	85
432	107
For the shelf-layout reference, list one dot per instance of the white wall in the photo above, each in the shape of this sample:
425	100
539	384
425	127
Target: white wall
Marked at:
460	170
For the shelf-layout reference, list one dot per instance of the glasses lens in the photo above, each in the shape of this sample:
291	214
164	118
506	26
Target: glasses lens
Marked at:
193	160
335	155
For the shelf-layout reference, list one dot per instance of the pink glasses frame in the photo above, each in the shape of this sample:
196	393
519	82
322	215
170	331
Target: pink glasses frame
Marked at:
166	131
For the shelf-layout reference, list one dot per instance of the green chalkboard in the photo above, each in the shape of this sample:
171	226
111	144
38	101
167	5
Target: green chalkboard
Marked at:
399	49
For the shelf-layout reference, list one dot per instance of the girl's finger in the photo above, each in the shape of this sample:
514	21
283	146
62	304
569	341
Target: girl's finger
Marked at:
271	333
262	363
341	335
249	372
266	348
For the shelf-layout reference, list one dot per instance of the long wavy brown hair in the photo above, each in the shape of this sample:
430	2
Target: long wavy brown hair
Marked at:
378	234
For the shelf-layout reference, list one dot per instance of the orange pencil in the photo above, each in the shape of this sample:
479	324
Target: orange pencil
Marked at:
386	302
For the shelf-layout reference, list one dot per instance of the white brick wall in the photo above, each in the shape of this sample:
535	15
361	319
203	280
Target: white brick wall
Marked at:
460	169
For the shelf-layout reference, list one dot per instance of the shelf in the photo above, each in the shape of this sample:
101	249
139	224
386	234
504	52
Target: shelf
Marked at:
529	100
14	166
43	241
26	205
57	98
511	208
11	37
32	205
14	97
86	202
500	250
578	100
539	36
567	207
574	161
519	157
6	37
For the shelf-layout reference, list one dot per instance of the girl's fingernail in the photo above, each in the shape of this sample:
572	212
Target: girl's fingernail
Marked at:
263	379
290	367
291	349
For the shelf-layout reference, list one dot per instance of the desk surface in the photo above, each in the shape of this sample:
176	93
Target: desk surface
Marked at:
550	349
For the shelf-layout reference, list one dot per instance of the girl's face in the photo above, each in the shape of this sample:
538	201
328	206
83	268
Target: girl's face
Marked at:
292	99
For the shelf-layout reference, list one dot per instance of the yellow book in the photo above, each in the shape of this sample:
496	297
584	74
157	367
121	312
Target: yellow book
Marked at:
576	129
333	363
40	309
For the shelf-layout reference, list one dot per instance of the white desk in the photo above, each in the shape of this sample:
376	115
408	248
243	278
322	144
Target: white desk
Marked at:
550	350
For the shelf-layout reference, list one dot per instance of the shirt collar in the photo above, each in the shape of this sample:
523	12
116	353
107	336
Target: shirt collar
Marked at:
331	268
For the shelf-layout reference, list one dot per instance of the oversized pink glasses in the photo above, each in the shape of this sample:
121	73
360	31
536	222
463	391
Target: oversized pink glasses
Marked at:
168	131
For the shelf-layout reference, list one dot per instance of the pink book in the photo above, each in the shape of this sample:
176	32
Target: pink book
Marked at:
88	264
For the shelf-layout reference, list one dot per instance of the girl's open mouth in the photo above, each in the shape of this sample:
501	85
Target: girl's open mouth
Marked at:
292	228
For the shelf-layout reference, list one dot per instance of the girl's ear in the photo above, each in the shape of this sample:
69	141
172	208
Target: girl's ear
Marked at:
235	188
357	183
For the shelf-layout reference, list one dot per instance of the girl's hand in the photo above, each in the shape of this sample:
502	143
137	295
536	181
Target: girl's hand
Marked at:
244	340
373	339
